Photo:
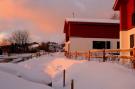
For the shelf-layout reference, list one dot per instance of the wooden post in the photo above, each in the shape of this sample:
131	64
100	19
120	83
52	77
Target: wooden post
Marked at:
75	54
133	52
89	56
72	84
104	59
133	61
68	54
64	78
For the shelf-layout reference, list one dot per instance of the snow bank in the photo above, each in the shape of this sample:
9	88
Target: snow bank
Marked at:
25	73
52	64
58	65
8	81
95	75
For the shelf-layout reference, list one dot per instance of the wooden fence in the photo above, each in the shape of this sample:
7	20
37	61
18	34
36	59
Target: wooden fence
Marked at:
104	54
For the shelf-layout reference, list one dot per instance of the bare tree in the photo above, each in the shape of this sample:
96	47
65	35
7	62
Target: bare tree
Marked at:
20	37
20	41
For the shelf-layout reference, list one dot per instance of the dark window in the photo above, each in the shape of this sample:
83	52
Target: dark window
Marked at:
118	45
132	41
101	44
107	45
133	19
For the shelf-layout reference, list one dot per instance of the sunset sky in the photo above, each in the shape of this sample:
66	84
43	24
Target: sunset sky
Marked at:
44	19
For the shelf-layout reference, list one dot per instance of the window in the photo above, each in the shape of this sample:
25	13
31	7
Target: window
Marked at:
133	19
118	45
132	41
101	44
108	45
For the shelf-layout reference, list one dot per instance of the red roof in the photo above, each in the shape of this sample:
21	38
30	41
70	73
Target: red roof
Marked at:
117	4
92	29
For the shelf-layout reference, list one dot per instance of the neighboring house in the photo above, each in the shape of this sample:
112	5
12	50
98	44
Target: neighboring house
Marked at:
54	47
127	23
84	34
33	47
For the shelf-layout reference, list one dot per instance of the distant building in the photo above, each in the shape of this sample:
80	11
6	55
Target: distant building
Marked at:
86	34
54	47
33	47
127	23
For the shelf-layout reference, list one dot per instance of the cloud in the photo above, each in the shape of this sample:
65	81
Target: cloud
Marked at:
44	19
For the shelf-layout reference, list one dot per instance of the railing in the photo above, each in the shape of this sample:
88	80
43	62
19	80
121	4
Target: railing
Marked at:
105	54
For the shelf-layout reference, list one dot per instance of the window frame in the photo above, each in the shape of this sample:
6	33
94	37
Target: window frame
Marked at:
107	45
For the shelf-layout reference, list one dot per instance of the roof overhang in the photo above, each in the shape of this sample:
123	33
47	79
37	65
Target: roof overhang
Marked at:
117	5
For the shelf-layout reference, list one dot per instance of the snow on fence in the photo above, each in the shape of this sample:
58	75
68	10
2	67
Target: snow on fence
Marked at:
105	54
16	58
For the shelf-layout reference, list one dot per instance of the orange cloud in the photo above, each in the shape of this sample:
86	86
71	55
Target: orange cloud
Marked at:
12	10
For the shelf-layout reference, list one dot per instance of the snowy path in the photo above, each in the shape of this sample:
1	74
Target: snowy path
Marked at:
95	75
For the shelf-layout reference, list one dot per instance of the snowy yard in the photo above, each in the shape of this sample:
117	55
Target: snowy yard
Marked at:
37	73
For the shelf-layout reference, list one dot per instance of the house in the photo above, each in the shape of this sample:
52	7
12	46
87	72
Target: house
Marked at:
86	34
54	47
33	47
127	23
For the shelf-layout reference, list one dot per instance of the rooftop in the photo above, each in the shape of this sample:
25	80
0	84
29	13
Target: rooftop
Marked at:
92	20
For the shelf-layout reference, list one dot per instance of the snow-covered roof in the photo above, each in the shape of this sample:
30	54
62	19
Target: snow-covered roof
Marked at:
92	20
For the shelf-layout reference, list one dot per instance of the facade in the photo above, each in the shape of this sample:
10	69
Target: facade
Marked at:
127	23
84	34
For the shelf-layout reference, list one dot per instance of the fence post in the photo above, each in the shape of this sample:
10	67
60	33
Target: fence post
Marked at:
72	84
64	78
75	54
68	54
133	52
104	58
133	61
89	56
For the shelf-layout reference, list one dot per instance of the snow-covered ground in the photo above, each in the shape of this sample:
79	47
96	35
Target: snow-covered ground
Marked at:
8	81
86	74
99	75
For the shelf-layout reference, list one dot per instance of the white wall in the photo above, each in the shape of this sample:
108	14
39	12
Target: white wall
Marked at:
85	44
125	39
125	42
